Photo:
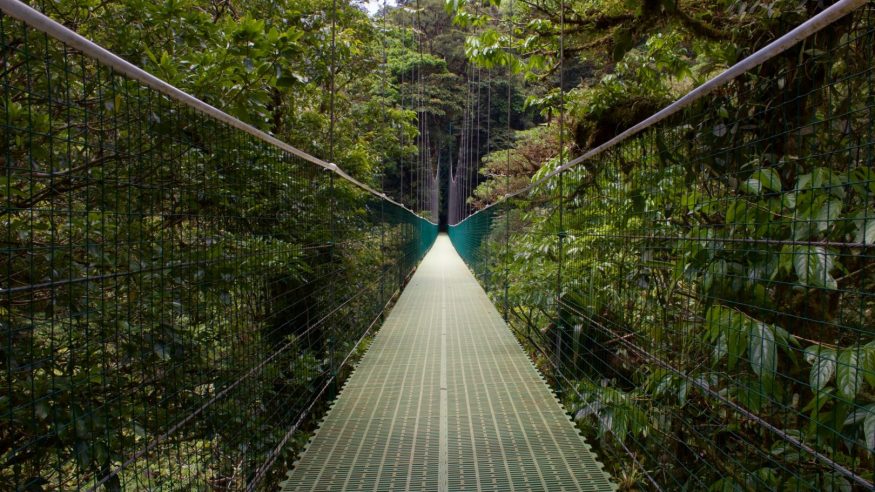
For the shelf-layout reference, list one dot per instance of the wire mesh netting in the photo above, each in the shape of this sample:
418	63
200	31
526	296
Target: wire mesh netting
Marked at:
176	294
701	295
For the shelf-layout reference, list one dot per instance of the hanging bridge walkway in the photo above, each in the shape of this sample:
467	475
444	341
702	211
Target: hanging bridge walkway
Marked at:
445	399
181	292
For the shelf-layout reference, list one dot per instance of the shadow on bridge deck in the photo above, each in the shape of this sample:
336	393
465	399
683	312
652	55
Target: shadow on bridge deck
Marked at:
445	399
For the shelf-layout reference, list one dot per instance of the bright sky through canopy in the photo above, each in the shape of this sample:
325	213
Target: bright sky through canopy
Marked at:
373	6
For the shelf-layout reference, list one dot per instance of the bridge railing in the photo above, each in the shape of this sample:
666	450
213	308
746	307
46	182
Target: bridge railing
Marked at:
700	290
179	290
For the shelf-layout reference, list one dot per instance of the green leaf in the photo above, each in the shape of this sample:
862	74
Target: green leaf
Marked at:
848	377
820	399
623	42
725	485
726	327
869	427
736	341
869	363
828	212
762	350
789	200
823	365
718	319
721	348
865	228
101	453
752	186
816	218
737	212
770	179
821	178
761	179
836	483
812	265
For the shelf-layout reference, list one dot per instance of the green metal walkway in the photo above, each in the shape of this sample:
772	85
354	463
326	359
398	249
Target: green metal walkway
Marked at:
445	399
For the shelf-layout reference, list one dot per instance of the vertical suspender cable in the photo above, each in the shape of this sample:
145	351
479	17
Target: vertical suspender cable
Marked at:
466	146
488	112
331	200
469	147
463	148
332	86
475	140
472	135
414	102
450	167
420	112
487	271
561	231
475	168
507	163
401	128
454	176
383	77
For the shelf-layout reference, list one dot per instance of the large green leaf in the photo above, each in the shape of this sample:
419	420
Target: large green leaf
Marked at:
726	327
769	178
815	218
848	377
762	350
869	363
865	228
821	179
760	180
752	186
869	427
826	213
823	365
720	348
812	265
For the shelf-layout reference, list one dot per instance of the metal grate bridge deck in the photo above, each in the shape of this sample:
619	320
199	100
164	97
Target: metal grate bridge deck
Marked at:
444	400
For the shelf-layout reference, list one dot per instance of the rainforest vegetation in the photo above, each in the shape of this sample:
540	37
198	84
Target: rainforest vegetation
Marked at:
178	296
700	296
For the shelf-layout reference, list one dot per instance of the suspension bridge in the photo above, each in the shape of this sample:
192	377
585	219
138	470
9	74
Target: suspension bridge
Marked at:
445	399
189	302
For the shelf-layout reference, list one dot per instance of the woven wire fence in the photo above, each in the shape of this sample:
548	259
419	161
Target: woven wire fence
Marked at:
701	295
177	295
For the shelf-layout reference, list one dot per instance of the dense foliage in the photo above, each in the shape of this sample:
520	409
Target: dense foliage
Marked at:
179	296
700	294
